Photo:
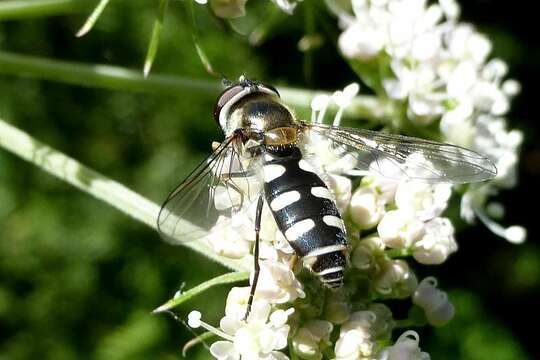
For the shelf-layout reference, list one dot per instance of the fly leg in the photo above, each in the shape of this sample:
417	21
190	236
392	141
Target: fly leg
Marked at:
256	267
228	180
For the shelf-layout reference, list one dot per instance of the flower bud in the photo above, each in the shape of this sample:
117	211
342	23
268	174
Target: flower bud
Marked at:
356	338
277	283
309	339
367	207
384	321
438	309
228	241
436	244
395	279
229	9
425	201
400	229
405	348
364	255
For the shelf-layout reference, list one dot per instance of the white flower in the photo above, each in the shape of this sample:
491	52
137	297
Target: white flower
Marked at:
418	84
438	309
259	338
437	243
400	229
464	43
356	340
362	40
425	201
237	301
501	146
405	348
287	6
227	240
395	279
366	207
277	283
413	30
309	338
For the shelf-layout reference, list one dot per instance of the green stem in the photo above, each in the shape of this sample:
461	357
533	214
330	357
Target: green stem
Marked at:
398	253
223	279
118	78
97	185
100	76
199	339
20	9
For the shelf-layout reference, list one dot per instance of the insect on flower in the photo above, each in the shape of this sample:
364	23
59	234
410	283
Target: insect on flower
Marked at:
264	158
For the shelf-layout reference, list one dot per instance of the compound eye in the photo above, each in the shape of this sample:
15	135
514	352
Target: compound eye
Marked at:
224	98
270	87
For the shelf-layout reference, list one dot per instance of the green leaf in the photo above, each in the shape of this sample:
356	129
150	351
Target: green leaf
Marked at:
99	186
194	35
154	39
94	16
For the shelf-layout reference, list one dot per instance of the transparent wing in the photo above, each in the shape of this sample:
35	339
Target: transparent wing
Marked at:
403	157
222	186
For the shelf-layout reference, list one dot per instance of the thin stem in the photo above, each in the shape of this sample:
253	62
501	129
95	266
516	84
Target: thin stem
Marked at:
94	16
118	78
20	9
101	76
398	253
154	39
199	339
223	279
97	185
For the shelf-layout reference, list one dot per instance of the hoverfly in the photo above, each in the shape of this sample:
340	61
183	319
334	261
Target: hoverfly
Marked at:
263	159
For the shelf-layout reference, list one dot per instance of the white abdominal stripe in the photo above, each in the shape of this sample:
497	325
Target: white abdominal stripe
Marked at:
321	192
331	270
298	229
304	165
285	199
332	220
325	250
273	171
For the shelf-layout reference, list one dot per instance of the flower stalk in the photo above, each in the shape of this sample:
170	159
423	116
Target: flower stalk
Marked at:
119	78
22	9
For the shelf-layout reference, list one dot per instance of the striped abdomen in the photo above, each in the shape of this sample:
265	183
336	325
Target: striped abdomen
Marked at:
306	213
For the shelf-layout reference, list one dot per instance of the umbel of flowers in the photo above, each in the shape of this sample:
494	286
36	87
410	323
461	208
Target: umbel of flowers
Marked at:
435	71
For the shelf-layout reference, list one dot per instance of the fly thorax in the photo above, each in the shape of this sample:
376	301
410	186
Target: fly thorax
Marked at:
258	113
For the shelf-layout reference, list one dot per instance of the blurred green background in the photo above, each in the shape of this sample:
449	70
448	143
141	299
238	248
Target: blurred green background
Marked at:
78	279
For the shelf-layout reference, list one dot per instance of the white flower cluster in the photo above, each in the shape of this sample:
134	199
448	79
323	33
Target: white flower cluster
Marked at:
438	68
385	219
407	217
